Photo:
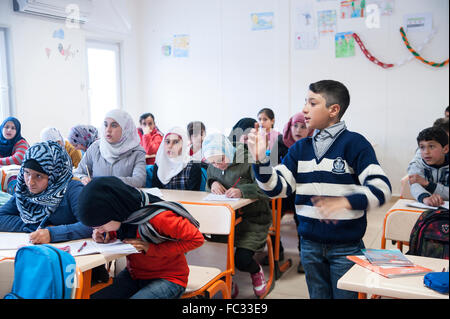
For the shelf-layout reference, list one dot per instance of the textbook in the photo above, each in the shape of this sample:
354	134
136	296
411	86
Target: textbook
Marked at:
389	271
386	257
89	247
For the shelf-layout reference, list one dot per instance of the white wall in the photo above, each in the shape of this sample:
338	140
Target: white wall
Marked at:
232	72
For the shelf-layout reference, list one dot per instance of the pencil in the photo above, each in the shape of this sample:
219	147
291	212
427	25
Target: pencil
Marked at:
87	169
82	246
236	182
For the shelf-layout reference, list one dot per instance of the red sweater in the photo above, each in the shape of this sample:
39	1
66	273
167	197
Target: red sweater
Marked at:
18	153
167	260
150	142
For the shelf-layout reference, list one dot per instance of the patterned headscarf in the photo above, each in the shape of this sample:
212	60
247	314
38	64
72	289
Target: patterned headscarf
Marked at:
6	146
129	139
56	163
83	135
218	144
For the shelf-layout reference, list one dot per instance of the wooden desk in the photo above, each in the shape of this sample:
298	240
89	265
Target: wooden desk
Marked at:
364	281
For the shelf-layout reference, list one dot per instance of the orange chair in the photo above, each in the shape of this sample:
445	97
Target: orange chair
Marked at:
275	231
397	226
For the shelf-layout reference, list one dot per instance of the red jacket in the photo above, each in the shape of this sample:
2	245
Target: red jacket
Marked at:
150	142
167	260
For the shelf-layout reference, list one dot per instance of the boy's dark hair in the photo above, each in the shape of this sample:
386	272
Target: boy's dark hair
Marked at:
144	116
433	134
195	124
442	123
333	92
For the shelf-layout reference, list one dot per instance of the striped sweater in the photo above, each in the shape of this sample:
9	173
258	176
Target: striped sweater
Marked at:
17	155
348	168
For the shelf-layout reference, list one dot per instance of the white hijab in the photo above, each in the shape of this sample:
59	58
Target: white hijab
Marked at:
129	139
170	167
51	134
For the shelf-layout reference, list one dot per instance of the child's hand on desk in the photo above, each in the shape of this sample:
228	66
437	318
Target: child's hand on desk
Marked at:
433	200
217	188
329	205
101	237
233	193
40	236
139	244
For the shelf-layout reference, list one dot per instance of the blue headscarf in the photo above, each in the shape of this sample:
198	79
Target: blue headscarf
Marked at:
218	144
6	146
56	163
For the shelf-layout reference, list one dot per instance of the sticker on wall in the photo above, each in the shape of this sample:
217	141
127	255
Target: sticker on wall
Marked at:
418	22
353	9
181	45
262	21
59	34
326	22
345	44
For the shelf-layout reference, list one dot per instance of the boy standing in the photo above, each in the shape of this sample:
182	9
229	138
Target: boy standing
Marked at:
335	177
428	174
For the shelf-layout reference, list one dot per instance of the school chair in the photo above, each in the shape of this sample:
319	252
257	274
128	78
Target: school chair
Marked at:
397	226
405	189
6	275
217	219
275	230
148	180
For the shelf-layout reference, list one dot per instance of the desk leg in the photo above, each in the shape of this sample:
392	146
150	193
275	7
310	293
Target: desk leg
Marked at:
362	295
86	291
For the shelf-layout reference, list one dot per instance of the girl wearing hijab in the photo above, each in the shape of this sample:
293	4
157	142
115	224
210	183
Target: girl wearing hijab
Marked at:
82	136
295	129
162	231
228	174
53	134
174	167
116	153
45	195
12	145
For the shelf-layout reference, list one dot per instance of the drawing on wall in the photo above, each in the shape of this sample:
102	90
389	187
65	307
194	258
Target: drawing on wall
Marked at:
326	22
418	22
59	34
166	50
181	45
353	9
345	44
262	21
67	52
385	7
48	51
306	36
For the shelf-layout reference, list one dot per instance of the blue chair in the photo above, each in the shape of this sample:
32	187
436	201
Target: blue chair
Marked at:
148	180
204	178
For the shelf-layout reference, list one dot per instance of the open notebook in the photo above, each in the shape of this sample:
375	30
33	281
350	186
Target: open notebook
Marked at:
90	247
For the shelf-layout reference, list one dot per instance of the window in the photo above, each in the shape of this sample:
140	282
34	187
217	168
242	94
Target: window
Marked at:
104	81
5	87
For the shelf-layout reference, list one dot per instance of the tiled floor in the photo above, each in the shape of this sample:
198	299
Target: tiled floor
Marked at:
291	285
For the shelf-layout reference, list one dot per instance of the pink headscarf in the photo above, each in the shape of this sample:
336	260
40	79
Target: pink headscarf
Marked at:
287	135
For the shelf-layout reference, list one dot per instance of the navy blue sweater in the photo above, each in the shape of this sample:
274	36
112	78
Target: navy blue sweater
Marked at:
64	221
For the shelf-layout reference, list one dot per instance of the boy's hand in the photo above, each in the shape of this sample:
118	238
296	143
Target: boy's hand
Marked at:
416	178
434	200
329	205
217	188
233	193
139	244
257	143
40	236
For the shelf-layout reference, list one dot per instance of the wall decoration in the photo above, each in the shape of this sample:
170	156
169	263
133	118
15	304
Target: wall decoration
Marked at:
48	51
344	44
370	56
181	45
385	7
262	21
166	50
417	55
326	22
67	52
306	36
59	34
353	9
418	22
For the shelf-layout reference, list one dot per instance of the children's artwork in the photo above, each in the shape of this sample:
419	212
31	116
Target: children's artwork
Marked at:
345	44
306	36
166	49
262	21
385	7
326	22
48	51
59	34
353	9
181	45
67	52
418	22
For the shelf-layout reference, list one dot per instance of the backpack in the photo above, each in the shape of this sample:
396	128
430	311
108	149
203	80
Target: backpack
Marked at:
429	236
42	272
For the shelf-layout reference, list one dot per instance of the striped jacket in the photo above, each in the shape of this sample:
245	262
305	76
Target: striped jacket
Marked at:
348	168
17	155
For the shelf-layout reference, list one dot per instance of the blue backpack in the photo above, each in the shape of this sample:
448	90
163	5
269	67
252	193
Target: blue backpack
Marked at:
42	272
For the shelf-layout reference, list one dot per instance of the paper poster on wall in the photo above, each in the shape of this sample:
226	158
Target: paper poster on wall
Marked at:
306	36
353	9
345	44
385	7
262	21
326	22
181	44
418	22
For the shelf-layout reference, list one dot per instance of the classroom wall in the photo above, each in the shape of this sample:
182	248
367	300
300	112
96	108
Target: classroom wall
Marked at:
232	72
51	90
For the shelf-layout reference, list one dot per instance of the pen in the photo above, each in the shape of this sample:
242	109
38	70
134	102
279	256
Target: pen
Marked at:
82	246
44	220
87	170
236	182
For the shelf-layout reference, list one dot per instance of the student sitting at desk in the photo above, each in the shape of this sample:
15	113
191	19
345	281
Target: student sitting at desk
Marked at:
82	136
428	175
160	271
12	145
46	195
53	134
116	153
151	137
174	168
229	174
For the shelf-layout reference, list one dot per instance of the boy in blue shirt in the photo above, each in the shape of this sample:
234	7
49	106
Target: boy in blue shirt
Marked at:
335	177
